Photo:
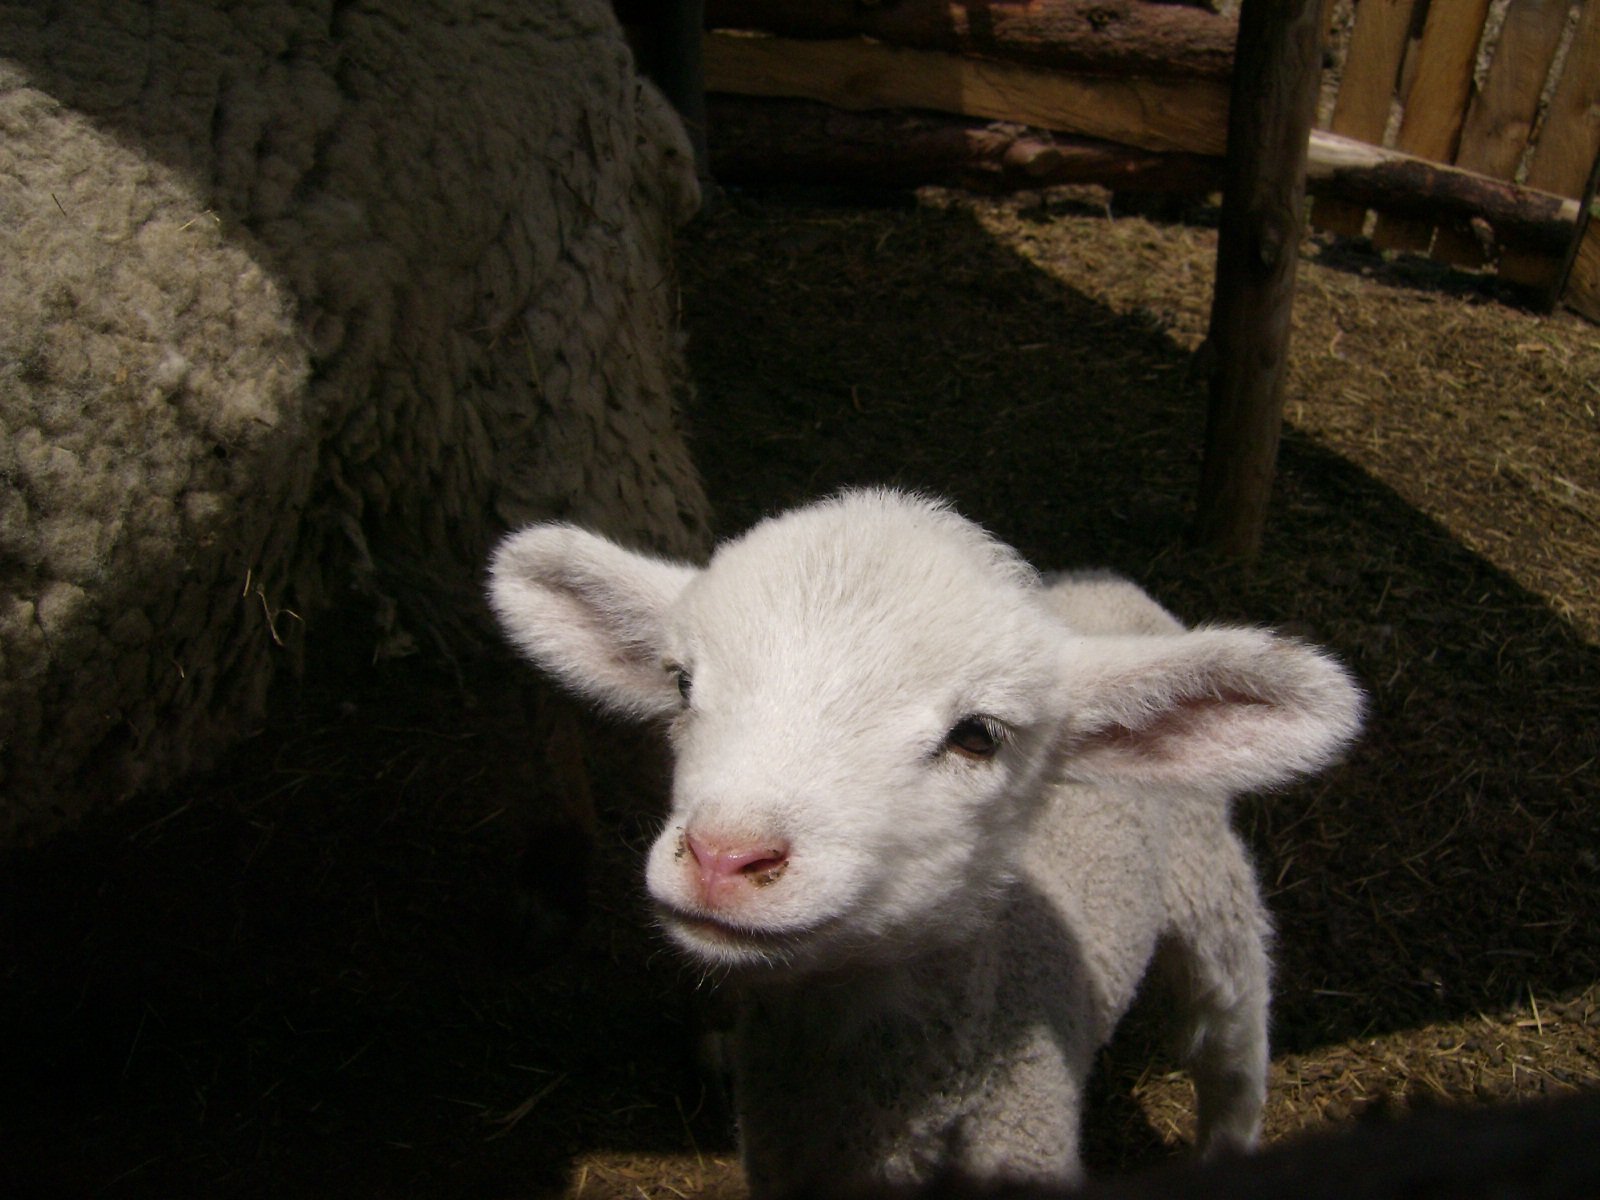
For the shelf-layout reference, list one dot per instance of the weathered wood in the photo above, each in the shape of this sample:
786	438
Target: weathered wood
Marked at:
1566	146
1500	118
1435	104
1582	293
683	79
1156	114
1112	37
666	37
1413	187
1568	139
1366	94
1578	278
1273	102
762	140
1371	68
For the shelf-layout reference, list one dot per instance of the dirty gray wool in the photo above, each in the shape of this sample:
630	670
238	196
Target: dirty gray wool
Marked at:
303	302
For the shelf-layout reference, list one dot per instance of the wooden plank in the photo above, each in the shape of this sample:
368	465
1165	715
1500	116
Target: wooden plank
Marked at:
1258	249
665	36
1392	181
1568	140
1578	281
1499	123
1436	103
1583	284
767	140
1105	37
1183	115
1366	94
1371	65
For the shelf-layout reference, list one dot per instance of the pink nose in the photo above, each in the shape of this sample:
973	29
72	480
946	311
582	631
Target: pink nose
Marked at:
724	867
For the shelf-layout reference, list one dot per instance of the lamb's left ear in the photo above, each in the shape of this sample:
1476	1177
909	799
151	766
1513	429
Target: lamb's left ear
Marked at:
589	612
1230	709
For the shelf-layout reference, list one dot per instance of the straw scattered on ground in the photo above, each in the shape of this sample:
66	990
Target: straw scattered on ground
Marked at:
304	974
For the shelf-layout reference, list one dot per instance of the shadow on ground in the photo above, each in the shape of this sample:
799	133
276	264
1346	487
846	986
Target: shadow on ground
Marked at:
303	973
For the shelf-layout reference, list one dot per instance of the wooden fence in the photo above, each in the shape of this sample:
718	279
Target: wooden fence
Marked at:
1515	97
1471	127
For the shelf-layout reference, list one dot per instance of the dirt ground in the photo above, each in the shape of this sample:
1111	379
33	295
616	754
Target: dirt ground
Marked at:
309	972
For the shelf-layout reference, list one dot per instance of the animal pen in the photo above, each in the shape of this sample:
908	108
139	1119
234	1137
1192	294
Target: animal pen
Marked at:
316	969
1467	129
1490	125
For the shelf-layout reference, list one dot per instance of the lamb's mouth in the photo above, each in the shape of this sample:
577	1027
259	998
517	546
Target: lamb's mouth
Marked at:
735	936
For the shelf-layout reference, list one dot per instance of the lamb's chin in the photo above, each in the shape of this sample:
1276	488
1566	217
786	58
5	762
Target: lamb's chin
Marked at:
732	945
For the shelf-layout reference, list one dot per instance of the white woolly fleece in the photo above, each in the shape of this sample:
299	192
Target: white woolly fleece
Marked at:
936	819
301	301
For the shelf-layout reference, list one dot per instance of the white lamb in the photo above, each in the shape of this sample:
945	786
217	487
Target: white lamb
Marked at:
935	820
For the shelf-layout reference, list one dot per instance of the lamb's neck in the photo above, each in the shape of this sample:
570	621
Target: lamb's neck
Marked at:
930	985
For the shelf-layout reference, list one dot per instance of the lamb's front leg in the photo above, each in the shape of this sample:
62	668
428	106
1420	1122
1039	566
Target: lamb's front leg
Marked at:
1025	1124
1230	1077
1223	976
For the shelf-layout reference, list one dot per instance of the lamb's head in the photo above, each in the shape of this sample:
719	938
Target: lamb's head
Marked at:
868	699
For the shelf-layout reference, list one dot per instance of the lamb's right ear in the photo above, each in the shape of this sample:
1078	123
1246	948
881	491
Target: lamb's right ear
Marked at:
589	613
1222	709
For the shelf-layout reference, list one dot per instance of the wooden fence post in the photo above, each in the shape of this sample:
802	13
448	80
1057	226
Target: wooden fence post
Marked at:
668	39
1277	68
683	77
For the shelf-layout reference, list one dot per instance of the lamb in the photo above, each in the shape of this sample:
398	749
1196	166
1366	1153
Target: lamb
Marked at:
934	819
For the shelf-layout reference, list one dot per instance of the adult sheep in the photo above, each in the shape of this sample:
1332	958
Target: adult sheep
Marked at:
302	301
936	820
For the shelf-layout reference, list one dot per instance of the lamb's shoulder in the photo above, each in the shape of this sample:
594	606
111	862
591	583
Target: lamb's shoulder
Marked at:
1095	874
1103	602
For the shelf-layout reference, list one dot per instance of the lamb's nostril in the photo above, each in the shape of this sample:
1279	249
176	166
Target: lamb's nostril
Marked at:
766	870
761	863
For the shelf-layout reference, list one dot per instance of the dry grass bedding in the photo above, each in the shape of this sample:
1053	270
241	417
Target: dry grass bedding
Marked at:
301	974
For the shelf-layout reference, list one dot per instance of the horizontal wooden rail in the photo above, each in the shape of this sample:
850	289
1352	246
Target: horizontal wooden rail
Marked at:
999	64
1185	115
1107	37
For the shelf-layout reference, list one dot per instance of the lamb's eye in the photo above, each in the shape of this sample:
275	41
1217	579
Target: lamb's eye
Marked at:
683	680
975	737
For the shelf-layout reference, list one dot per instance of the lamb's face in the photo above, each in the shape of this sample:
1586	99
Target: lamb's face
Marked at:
866	696
860	741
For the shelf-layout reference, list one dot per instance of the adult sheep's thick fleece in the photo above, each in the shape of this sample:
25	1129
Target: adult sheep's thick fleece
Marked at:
304	301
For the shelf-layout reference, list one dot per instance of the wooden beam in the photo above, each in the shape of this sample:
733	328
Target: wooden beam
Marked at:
1155	114
765	140
1109	37
1578	279
1162	116
1258	244
1398	183
666	38
1582	293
